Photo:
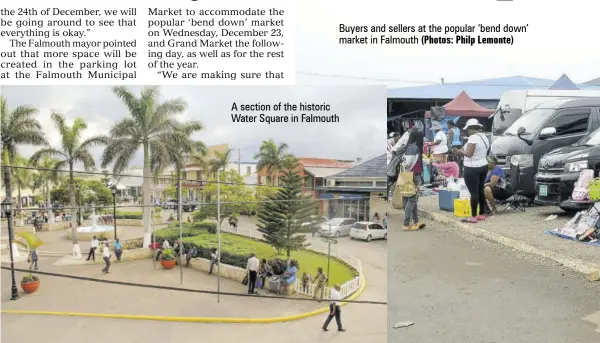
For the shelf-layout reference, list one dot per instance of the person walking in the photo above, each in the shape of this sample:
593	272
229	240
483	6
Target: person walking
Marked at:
93	247
118	248
106	257
413	162
376	217
252	267
320	280
385	220
33	259
334	309
475	162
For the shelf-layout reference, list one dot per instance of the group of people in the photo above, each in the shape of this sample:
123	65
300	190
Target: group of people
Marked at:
106	255
483	177
260	271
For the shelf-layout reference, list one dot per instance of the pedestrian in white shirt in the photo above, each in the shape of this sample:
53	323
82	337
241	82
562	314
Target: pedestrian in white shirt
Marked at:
440	143
334	309
93	248
106	257
252	267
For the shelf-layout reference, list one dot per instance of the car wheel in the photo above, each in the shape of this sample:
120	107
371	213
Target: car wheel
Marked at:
369	238
337	234
385	237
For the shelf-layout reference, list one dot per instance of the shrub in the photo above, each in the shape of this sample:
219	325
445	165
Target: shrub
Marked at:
167	255
157	210
129	215
29	278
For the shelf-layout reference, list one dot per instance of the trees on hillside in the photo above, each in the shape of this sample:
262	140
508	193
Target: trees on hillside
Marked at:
281	217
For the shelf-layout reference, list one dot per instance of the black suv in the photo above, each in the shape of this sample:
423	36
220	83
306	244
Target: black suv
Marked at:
559	170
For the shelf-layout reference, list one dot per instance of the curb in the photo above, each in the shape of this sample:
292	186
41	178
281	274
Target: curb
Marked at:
356	294
590	270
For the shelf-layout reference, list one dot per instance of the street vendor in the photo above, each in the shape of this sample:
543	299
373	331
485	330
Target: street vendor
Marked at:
495	185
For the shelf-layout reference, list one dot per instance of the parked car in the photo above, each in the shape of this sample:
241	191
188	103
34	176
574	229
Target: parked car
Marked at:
558	171
368	231
548	126
188	206
336	227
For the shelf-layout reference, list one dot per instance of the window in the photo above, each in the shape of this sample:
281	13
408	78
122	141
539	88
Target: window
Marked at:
571	122
248	171
184	176
359	226
348	222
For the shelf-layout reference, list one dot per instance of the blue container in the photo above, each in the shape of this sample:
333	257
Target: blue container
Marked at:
446	199
426	173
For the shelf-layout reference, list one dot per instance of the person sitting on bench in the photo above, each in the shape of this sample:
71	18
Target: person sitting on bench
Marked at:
495	185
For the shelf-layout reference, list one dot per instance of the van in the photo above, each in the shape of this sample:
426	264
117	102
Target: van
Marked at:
548	126
514	103
559	170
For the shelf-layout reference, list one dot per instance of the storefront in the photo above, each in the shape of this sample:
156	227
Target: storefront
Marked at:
354	192
347	205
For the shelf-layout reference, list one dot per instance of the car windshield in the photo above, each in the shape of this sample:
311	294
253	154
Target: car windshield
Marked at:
530	120
359	226
335	221
592	139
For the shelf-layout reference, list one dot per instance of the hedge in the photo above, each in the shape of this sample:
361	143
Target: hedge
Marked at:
129	215
236	249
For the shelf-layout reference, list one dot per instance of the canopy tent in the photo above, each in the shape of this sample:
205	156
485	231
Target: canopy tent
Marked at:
564	83
464	106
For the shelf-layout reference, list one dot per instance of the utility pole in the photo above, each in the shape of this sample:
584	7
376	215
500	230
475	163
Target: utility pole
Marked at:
218	235
239	162
180	222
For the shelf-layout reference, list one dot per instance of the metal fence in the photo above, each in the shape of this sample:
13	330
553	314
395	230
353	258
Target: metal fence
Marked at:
347	289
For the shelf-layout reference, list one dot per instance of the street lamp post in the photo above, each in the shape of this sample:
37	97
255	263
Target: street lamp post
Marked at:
7	208
114	194
328	252
78	205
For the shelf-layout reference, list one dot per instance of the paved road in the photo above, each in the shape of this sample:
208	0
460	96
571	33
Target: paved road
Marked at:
464	290
364	322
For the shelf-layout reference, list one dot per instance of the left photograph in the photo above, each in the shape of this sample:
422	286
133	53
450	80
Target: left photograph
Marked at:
178	212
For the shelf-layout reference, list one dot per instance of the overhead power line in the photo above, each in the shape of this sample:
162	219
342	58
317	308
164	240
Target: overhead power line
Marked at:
181	289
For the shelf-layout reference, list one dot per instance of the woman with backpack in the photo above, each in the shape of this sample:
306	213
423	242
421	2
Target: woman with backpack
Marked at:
475	163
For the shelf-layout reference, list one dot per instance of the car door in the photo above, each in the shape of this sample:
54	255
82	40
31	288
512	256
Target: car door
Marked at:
571	125
379	231
346	226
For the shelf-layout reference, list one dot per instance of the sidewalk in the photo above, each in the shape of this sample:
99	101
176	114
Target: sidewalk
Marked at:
524	231
70	295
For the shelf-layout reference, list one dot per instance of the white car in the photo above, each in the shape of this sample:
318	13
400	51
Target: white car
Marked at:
336	227
368	231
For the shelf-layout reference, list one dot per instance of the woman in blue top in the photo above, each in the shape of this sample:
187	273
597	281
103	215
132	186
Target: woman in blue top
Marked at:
495	187
453	135
289	277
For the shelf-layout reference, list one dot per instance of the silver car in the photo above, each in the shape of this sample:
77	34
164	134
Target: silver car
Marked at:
337	227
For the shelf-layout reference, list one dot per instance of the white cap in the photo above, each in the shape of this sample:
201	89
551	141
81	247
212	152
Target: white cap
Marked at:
472	122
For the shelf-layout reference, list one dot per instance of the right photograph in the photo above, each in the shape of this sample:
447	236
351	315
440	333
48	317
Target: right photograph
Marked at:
493	211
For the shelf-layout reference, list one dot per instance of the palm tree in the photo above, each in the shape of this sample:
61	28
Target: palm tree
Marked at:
18	127
220	161
270	157
44	179
72	150
22	179
151	126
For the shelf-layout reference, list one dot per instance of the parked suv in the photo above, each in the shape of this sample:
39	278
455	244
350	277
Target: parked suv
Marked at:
549	126
559	169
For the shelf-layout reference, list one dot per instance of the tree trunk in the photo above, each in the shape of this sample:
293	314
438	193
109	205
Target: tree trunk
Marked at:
21	223
49	204
72	204
146	195
8	191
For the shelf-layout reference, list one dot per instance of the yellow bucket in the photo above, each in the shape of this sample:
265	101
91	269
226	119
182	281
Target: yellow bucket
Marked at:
462	208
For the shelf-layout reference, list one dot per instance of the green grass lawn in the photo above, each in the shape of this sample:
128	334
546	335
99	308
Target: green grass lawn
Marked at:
307	260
